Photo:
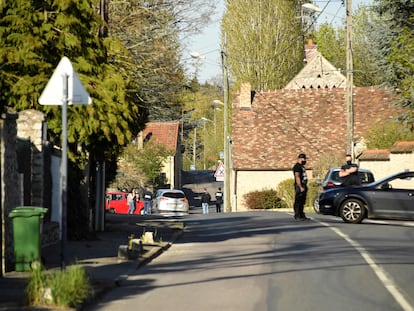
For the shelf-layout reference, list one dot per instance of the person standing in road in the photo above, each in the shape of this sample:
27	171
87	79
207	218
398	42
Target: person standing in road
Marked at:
131	202
205	201
147	201
301	188
349	173
219	200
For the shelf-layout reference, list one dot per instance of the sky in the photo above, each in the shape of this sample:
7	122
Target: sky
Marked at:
207	44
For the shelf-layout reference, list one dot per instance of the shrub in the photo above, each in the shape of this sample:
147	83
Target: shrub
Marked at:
286	192
265	199
68	288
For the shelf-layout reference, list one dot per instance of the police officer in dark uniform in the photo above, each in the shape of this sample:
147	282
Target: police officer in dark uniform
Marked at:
349	173
301	188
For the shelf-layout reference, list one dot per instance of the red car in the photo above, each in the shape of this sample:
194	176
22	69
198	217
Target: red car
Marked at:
116	203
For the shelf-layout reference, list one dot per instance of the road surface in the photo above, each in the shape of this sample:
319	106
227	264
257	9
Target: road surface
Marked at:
268	261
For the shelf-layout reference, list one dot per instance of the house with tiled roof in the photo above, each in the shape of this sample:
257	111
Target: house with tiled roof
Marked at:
166	134
271	127
384	162
318	72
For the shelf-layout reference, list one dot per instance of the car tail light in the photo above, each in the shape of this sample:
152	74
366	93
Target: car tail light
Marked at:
184	200
330	184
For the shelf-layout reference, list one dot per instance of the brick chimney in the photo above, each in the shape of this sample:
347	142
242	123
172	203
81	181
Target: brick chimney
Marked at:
310	50
245	96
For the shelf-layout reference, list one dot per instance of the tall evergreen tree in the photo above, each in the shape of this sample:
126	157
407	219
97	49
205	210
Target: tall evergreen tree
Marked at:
395	25
264	41
331	44
35	35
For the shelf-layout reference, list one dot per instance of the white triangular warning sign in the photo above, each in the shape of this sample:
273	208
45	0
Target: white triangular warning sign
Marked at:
219	171
53	92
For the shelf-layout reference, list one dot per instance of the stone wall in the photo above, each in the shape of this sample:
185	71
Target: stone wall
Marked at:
30	126
9	182
25	175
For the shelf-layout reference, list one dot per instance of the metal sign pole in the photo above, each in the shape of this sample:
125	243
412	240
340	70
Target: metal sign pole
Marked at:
64	168
72	88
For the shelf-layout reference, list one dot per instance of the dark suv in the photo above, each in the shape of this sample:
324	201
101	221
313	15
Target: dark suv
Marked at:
332	179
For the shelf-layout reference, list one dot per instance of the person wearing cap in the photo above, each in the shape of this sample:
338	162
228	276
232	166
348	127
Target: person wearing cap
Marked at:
300	184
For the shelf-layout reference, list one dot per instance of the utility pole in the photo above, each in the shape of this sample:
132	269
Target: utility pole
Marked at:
349	82
227	206
194	147
204	143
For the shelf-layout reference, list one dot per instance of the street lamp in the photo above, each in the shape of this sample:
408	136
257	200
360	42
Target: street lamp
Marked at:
204	140
311	7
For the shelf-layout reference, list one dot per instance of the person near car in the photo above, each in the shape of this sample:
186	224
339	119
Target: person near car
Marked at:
349	173
301	188
205	200
219	200
147	201
131	202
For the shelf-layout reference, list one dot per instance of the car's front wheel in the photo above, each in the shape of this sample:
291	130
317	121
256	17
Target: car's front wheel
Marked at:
352	211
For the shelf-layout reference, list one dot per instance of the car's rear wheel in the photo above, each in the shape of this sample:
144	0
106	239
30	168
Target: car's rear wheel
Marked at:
316	204
352	211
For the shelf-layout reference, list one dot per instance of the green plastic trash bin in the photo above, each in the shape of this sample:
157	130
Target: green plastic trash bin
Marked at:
27	222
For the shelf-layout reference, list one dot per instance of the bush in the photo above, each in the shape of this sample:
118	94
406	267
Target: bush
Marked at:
68	288
265	199
286	192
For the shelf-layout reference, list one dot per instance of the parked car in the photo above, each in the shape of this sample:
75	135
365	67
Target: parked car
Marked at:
116	203
170	202
391	197
333	180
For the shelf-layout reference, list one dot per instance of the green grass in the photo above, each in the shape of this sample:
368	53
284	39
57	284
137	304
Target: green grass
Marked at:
67	288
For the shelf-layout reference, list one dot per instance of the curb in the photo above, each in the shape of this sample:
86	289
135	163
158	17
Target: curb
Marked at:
154	252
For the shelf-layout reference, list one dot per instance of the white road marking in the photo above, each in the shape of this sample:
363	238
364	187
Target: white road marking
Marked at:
385	279
390	222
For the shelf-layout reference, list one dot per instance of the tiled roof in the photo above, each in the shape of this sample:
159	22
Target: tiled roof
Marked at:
375	155
165	133
283	123
403	147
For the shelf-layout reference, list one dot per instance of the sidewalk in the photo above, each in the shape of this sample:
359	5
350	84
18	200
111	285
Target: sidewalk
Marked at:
99	256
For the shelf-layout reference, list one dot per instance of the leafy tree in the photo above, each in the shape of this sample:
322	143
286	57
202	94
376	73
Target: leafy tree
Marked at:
364	50
331	44
264	41
395	26
383	136
202	101
150	32
142	166
35	35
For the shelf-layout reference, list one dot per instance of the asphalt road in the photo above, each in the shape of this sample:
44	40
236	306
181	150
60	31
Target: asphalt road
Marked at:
267	261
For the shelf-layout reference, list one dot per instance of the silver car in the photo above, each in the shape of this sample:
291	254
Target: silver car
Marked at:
170	202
